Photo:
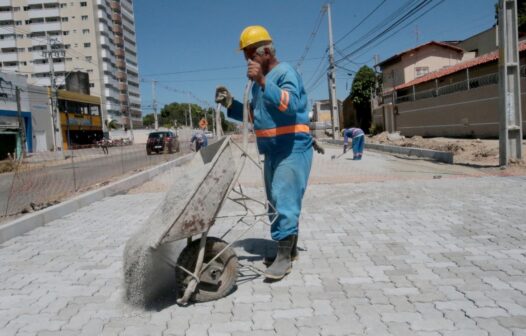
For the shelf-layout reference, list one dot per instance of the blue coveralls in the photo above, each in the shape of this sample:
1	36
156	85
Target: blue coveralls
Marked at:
281	125
201	141
358	141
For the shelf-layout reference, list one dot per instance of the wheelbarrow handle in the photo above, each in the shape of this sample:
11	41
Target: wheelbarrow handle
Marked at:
246	111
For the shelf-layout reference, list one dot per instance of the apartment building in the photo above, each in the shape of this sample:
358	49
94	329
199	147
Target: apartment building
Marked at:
98	37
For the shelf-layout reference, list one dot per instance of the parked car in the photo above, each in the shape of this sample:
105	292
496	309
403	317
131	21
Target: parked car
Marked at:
162	142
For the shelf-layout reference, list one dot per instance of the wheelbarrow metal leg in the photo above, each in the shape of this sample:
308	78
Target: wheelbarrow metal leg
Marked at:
192	285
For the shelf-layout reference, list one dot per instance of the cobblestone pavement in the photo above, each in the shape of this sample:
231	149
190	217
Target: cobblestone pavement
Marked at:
387	247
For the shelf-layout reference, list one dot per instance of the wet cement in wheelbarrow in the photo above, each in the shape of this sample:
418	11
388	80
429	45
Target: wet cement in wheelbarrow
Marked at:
149	274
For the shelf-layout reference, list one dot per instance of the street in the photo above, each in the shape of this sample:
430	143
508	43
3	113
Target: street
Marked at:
388	246
54	181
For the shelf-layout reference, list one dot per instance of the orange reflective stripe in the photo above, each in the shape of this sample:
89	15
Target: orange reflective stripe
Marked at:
272	132
284	103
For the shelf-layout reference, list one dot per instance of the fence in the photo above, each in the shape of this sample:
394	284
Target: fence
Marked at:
465	85
44	179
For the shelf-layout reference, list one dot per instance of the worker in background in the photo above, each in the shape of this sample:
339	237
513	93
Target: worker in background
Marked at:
358	141
281	124
200	140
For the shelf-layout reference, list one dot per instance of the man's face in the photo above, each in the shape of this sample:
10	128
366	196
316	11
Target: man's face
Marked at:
251	54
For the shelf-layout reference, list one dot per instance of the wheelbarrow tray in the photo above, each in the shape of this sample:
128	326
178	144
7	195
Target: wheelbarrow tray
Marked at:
190	206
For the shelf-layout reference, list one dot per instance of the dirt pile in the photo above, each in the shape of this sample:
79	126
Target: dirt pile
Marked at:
480	152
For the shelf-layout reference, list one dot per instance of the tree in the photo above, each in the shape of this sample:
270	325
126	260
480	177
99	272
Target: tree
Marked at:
362	86
521	15
148	120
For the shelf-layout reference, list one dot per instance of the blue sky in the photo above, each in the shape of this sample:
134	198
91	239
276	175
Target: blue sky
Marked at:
190	47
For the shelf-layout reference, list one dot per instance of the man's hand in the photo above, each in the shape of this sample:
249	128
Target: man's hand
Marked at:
223	96
255	73
317	146
345	148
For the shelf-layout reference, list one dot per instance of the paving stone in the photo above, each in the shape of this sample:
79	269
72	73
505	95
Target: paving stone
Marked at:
420	258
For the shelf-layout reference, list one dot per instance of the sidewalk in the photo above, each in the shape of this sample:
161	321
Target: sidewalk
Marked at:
388	246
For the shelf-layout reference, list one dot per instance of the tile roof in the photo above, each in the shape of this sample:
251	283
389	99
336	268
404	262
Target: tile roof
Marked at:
489	57
441	44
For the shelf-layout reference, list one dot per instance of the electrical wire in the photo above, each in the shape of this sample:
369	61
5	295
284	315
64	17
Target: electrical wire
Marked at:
422	4
311	39
362	21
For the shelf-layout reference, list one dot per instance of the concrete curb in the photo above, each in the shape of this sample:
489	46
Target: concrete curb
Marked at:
32	221
446	157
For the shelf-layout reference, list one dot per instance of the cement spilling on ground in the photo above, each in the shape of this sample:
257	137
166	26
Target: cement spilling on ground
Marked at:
149	274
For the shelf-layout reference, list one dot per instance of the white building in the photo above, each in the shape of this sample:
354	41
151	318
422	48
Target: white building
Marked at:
98	37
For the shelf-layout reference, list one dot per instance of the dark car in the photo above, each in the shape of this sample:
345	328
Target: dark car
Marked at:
162	142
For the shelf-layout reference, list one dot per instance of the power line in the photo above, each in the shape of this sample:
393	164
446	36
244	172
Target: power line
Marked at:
391	17
401	28
401	20
311	39
362	21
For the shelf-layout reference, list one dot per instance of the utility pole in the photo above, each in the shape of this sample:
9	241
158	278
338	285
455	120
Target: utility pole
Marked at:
154	105
510	131
21	123
54	51
332	81
190	115
218	126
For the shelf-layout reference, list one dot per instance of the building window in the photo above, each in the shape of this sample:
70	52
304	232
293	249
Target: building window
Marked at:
65	32
85	31
88	58
84	17
64	19
420	71
91	85
62	5
83	4
87	45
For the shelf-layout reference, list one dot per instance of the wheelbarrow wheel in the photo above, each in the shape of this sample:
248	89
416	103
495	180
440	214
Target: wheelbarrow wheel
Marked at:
215	282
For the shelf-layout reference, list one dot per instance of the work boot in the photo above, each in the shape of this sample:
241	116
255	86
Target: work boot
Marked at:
282	265
293	253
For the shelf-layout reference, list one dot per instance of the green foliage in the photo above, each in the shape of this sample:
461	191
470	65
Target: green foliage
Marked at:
521	15
375	129
363	83
148	120
178	113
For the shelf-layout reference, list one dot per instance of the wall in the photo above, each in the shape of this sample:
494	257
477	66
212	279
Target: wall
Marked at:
472	113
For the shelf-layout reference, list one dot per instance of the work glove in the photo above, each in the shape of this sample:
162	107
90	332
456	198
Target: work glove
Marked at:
345	148
223	96
317	146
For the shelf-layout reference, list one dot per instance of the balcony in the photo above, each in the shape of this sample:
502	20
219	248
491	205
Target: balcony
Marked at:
44	26
41	13
120	64
6	16
121	75
116	6
8	43
8	57
37	2
123	98
118	41
117	29
119	52
44	68
116	17
123	86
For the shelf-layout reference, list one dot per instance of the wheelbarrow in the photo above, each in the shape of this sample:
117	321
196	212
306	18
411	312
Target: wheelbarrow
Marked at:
207	267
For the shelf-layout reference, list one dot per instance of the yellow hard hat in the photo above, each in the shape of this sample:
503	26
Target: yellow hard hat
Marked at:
252	35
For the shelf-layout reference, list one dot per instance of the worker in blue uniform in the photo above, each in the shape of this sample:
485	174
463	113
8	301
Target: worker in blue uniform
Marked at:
357	137
281	124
